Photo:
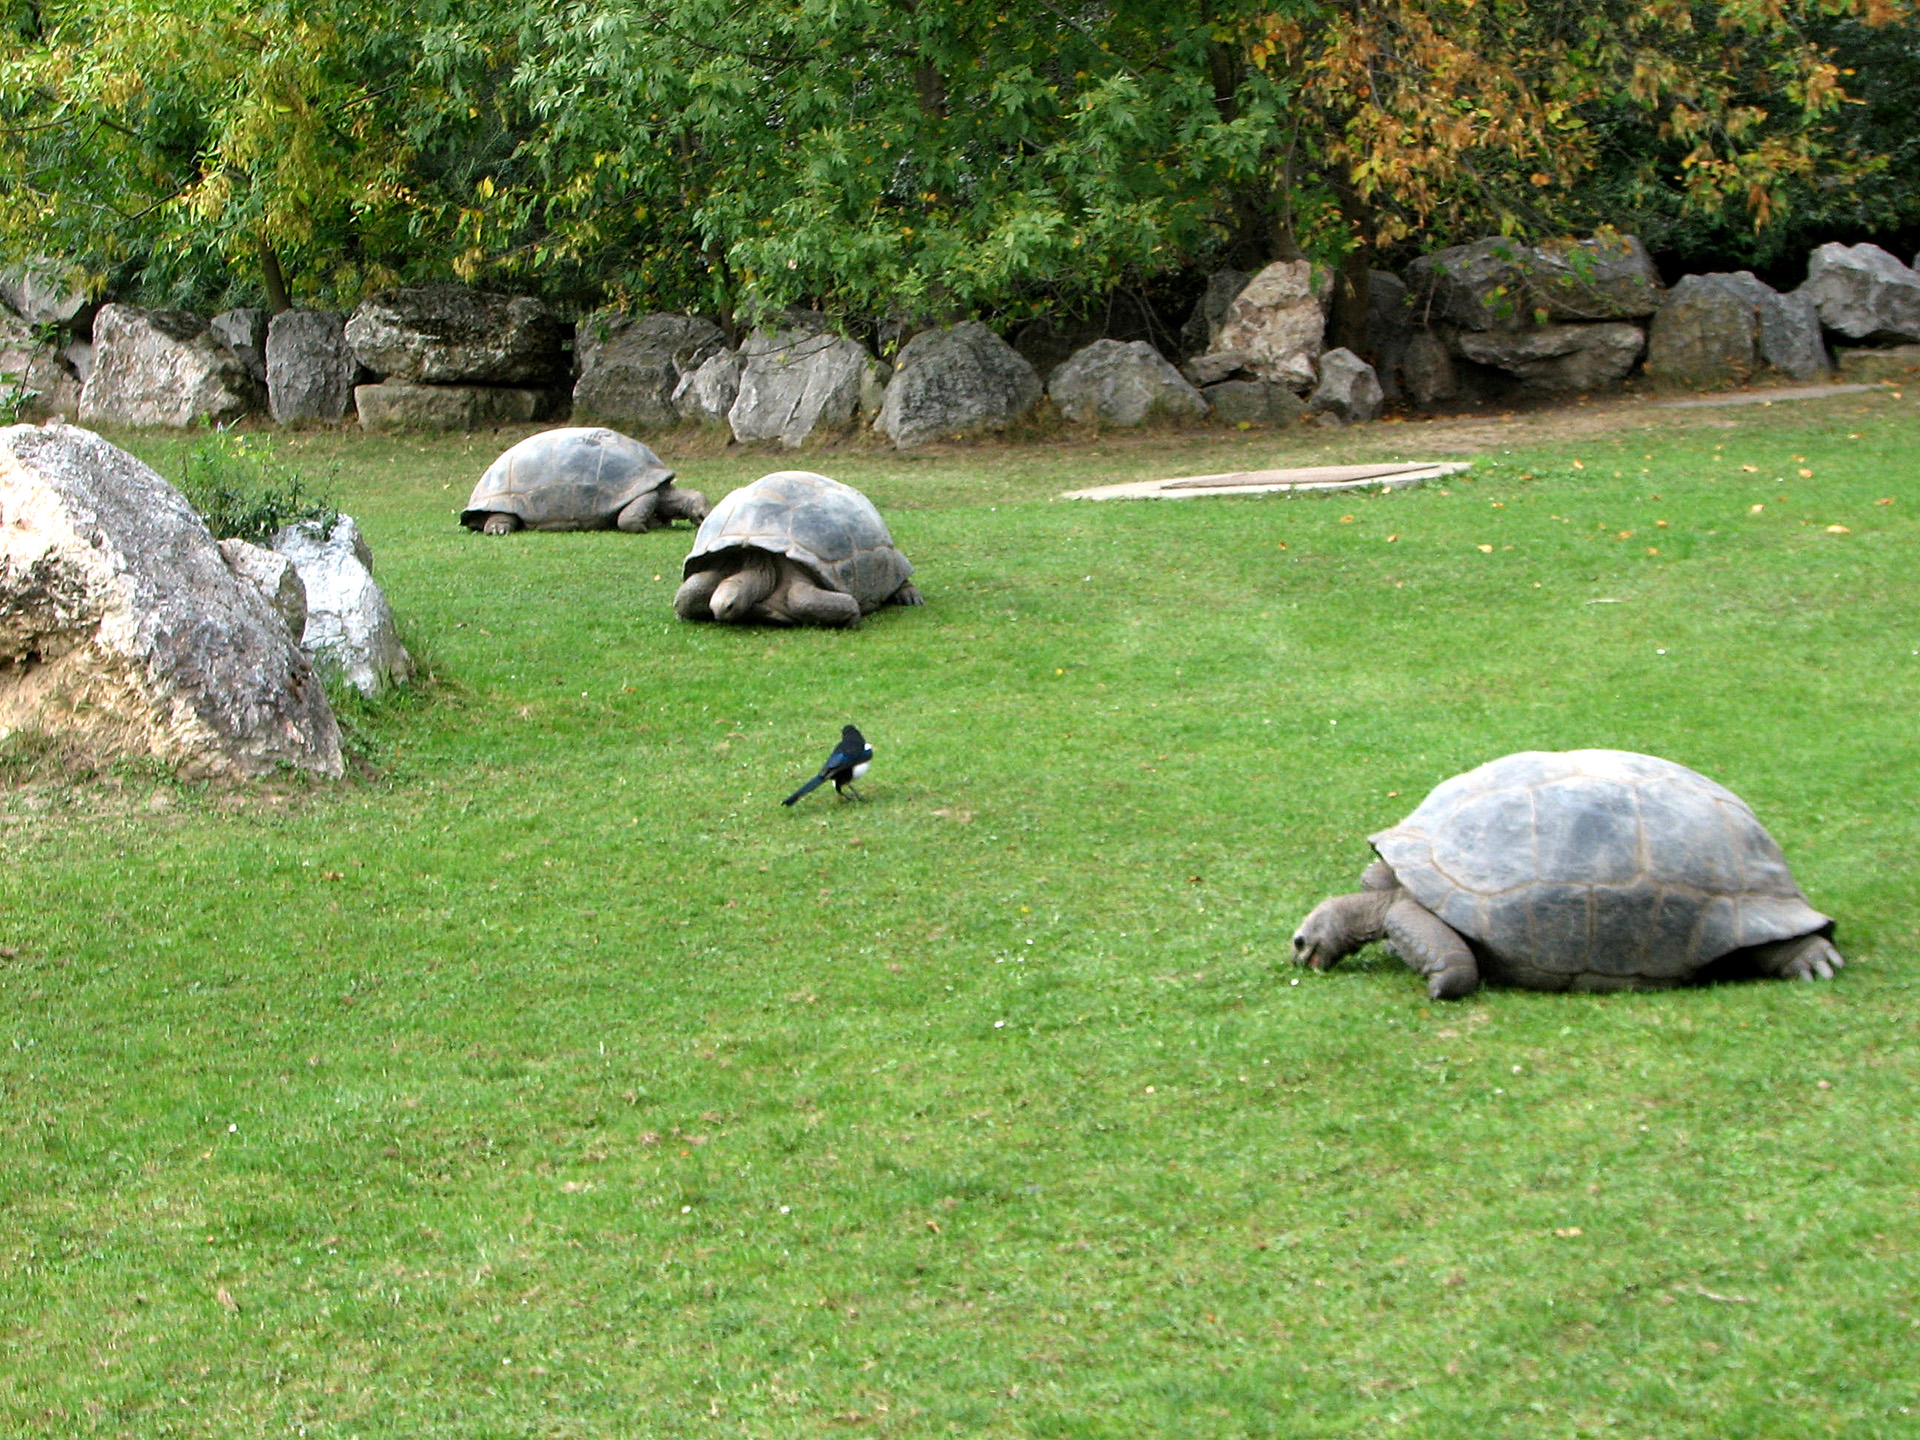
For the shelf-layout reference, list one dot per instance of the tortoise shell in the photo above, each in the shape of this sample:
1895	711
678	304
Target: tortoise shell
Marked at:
578	478
829	529
1596	868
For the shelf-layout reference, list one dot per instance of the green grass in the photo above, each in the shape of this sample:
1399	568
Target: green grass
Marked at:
553	1080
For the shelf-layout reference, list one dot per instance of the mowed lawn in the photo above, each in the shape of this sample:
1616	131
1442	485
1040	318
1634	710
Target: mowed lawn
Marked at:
550	1079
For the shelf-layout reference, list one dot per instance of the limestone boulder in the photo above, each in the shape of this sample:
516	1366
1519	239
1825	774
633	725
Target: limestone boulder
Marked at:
1117	383
456	335
274	576
48	387
310	367
631	365
396	406
1721	328
349	626
797	384
1220	365
1279	321
123	627
162	367
1348	388
244	331
705	394
44	291
1557	359
1502	284
1427	370
956	381
1202	329
1253	402
1863	293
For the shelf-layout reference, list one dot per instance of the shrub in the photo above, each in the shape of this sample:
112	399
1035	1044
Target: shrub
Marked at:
243	491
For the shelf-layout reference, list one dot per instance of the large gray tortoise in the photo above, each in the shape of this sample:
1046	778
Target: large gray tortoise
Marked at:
1588	870
793	548
579	478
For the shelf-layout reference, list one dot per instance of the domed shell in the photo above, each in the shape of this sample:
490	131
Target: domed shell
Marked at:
1596	867
578	478
830	529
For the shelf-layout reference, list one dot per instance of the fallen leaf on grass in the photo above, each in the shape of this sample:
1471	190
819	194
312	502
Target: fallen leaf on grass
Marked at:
1806	474
1838	530
958	816
1569	1233
1751	469
225	1297
7	952
1884	500
1755	509
1484	549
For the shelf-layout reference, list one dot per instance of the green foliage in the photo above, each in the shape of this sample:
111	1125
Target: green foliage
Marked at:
557	1081
244	491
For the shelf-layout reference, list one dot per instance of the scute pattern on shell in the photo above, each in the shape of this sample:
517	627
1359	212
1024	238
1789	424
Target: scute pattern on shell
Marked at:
829	528
1600	865
575	478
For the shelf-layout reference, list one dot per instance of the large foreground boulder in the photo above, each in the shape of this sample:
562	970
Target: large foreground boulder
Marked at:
797	384
1503	284
397	406
1279	322
1720	329
1115	383
162	367
349	626
455	335
1197	336
1863	293
958	381
1558	359
124	629
630	365
310	367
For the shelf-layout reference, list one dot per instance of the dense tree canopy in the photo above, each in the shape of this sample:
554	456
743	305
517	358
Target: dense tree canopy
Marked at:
915	157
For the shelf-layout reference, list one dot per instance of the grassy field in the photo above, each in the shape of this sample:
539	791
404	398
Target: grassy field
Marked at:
550	1079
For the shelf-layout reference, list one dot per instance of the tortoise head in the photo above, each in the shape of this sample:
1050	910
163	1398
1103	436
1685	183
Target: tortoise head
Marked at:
1335	928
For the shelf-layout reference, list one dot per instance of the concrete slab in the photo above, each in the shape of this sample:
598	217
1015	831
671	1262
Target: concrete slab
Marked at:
1766	397
1315	479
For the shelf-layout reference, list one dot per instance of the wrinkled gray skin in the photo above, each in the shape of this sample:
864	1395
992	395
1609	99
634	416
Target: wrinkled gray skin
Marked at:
1588	870
579	478
793	548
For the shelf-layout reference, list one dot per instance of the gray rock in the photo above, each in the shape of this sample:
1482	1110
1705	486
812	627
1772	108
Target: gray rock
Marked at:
79	358
631	365
162	367
124	629
1557	358
1197	336
706	393
1049	342
454	335
1254	402
1502	284
953	382
1348	388
310	367
394	406
1280	321
1111	382
42	291
1389	328
1871	365
1427	369
244	331
1220	365
1721	328
274	576
1863	293
34	366
875	376
796	385
349	626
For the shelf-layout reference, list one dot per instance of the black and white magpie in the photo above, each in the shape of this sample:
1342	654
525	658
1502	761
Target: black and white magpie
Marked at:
847	763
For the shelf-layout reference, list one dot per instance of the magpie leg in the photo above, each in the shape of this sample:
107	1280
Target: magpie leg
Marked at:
849	790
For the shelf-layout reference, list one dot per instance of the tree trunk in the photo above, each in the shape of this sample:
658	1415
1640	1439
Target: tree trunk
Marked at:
272	279
1348	325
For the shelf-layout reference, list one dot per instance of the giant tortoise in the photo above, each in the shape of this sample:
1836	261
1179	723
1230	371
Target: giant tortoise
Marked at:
1585	870
579	478
793	548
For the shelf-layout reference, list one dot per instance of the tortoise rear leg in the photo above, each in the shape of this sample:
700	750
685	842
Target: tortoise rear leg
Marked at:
637	517
1805	957
500	523
1433	947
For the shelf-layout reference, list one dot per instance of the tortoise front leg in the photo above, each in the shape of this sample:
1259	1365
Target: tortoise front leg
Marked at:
678	504
637	517
807	604
1805	957
694	599
500	523
1431	946
907	595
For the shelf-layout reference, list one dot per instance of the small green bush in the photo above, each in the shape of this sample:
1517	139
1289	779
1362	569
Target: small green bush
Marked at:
243	491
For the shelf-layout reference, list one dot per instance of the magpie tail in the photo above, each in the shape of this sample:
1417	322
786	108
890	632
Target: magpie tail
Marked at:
807	789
